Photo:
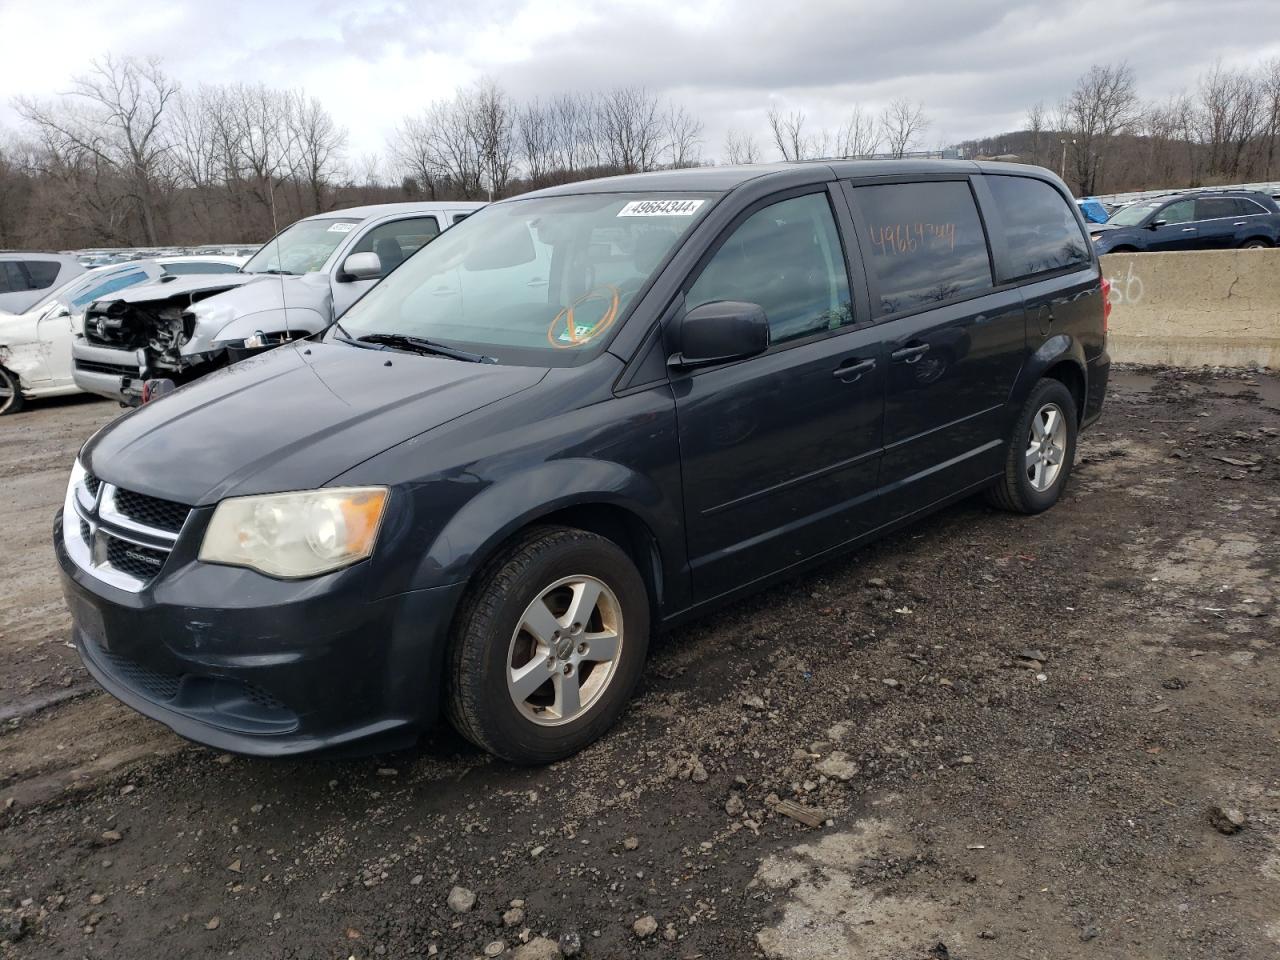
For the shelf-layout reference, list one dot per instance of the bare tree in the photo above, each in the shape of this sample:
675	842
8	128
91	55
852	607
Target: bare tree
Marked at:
1035	124
536	131
683	133
859	137
113	120
1103	104
630	128
741	147
1231	114
902	124
317	144
1270	81
788	134
490	120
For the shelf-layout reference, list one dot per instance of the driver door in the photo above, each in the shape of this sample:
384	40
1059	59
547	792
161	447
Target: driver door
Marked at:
1178	232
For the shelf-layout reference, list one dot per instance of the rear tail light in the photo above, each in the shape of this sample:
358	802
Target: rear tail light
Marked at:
1106	304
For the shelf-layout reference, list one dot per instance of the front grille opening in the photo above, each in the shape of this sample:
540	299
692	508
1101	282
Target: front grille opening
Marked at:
133	559
151	511
85	532
115	369
91	484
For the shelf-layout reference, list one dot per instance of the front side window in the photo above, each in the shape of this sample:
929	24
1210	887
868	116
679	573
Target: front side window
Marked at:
1184	211
1040	229
395	242
923	243
540	281
301	248
786	258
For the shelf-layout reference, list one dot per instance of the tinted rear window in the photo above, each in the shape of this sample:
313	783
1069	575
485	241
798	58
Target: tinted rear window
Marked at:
923	243
1040	227
1216	208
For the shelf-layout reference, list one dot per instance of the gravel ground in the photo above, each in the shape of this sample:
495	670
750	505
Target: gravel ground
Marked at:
988	736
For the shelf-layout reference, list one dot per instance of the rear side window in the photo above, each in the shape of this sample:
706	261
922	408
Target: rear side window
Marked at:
1040	227
923	243
43	273
12	277
1216	208
788	259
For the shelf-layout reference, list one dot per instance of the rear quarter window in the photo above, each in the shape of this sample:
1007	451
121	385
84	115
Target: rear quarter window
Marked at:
43	273
923	243
1041	231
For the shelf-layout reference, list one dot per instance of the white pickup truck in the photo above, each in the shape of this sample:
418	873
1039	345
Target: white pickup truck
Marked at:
297	284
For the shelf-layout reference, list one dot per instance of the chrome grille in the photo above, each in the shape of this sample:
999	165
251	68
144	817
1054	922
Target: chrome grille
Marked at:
121	537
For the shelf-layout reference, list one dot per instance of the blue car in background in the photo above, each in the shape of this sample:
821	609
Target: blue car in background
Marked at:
1202	220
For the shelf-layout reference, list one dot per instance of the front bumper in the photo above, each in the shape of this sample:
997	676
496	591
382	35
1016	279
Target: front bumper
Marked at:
241	662
108	372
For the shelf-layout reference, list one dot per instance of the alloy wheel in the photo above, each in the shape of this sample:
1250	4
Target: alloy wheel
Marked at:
565	650
1047	447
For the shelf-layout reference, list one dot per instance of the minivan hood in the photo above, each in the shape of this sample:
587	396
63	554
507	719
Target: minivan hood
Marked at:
290	419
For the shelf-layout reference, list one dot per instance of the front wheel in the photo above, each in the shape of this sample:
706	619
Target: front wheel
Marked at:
10	393
1040	453
548	646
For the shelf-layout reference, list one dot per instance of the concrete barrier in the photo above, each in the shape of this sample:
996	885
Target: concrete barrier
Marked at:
1216	308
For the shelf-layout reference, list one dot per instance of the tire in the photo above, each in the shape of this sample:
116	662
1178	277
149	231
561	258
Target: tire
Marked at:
11	400
492	643
1255	244
1017	491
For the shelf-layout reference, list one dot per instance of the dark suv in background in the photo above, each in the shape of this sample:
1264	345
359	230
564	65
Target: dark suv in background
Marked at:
1202	220
581	413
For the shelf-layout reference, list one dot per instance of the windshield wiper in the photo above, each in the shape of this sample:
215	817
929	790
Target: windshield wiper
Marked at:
403	341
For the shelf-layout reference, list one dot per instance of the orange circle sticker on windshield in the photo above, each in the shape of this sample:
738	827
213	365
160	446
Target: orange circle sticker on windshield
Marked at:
573	327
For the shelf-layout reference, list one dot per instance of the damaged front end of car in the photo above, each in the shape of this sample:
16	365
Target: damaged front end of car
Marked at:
161	332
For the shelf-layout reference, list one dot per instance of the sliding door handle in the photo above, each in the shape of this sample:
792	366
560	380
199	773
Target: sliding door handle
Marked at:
853	370
910	354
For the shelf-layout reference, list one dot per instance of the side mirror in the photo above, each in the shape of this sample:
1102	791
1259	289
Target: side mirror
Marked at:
1155	224
719	332
361	266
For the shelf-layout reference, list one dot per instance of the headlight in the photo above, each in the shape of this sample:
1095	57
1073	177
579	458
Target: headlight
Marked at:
292	535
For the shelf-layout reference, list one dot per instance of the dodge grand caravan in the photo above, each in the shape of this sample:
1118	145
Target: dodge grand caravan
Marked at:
581	415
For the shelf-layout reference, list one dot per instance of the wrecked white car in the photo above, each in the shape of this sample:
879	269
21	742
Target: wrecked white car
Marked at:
297	284
35	345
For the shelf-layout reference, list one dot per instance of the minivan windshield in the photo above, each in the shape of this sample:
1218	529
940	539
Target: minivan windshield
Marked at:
540	281
1132	215
301	248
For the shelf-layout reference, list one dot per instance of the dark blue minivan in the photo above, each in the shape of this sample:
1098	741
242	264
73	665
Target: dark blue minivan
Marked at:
579	416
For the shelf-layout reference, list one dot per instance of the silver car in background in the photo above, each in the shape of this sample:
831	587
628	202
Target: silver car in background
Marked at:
297	284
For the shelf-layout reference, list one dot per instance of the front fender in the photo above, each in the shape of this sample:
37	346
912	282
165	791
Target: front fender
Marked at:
476	530
300	320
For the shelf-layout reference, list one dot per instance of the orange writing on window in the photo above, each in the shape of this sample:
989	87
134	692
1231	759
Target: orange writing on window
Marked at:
904	238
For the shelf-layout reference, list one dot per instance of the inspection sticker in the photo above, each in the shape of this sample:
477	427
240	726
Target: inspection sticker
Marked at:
661	208
342	228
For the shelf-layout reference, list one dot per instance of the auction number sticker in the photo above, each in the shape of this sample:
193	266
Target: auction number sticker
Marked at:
342	228
661	208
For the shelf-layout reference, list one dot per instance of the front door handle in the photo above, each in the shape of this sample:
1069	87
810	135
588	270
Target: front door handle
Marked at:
910	354
852	370
1188	229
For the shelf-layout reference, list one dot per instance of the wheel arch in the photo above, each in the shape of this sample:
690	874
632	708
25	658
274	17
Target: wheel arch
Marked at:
1059	358
607	499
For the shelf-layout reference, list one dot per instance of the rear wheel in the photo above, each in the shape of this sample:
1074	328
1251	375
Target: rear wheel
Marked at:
1255	244
1041	451
10	393
548	646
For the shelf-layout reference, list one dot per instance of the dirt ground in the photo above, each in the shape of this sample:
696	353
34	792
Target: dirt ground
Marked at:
1018	738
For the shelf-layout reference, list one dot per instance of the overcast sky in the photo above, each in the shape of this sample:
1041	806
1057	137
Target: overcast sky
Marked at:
975	64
